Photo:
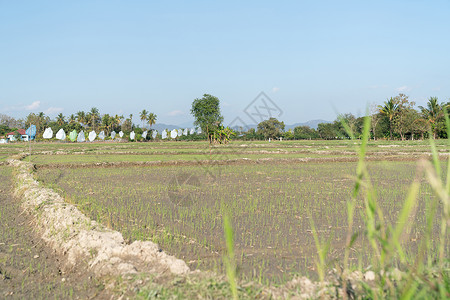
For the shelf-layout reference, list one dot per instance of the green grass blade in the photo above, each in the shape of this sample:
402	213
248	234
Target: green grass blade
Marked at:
403	219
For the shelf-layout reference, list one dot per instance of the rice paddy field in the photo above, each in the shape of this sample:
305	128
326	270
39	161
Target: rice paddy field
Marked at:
278	195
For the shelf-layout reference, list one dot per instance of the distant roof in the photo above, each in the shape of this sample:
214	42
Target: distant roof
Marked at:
21	132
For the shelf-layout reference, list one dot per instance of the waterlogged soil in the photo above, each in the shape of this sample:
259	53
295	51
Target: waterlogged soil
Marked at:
28	268
273	208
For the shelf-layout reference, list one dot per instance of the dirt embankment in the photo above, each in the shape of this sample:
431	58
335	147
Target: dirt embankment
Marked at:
78	238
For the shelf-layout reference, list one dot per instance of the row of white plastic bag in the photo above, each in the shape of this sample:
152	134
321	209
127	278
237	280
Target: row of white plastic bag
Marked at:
80	137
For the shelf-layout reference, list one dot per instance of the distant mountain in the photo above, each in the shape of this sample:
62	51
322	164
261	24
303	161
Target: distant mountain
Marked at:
312	124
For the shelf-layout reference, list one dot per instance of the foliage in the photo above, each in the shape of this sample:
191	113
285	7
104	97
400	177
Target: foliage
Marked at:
222	135
288	135
40	120
143	115
206	112
434	114
404	116
327	131
389	110
151	119
271	128
4	129
305	133
127	126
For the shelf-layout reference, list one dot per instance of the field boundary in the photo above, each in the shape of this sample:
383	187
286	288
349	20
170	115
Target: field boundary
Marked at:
76	237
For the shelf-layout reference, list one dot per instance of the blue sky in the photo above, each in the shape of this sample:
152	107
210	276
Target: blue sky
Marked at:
312	58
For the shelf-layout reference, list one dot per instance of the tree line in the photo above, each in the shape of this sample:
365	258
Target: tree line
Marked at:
396	118
90	120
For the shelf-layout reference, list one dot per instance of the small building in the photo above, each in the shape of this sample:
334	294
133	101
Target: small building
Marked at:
11	135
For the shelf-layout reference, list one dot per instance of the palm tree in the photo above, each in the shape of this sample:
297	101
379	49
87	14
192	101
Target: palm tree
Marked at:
433	113
117	121
60	119
143	116
151	119
42	122
93	117
81	118
72	119
107	123
389	109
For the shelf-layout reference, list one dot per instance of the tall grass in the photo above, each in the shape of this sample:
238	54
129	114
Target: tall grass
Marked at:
419	278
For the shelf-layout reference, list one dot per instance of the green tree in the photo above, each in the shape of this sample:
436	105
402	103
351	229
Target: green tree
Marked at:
127	126
375	118
271	128
107	123
353	123
206	112
143	116
327	131
72	119
60	119
40	120
389	110
433	113
93	117
81	118
305	133
288	135
151	119
404	116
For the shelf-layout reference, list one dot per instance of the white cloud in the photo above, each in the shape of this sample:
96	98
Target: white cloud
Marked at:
403	89
53	110
175	113
275	89
33	106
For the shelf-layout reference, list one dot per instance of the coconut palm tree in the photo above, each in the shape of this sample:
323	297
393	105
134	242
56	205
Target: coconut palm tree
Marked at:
143	116
117	121
60	119
93	117
72	119
389	109
43	120
107	123
433	113
81	118
151	119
